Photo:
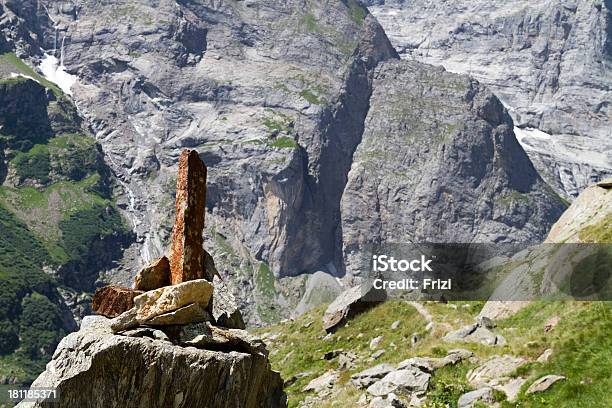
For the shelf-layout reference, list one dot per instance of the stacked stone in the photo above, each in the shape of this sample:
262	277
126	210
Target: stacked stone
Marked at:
183	289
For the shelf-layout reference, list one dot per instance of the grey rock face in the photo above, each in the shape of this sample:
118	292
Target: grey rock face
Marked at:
96	368
320	288
438	161
272	94
261	101
278	99
547	61
484	395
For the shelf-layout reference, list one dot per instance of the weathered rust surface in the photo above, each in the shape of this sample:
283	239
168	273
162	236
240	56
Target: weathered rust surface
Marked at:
153	276
113	300
187	253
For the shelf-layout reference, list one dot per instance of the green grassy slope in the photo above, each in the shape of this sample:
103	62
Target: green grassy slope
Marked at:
581	343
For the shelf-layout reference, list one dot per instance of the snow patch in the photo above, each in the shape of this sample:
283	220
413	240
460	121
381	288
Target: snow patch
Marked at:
522	136
16	75
56	73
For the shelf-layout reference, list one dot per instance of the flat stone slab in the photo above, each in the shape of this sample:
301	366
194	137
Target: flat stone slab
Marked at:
210	337
543	383
368	377
322	383
164	300
494	369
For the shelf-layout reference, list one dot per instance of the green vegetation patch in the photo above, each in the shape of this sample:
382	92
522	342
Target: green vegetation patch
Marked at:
265	287
300	346
311	97
284	142
514	197
581	344
29	322
84	228
74	155
10	62
600	232
356	11
40	327
34	164
310	23
582	352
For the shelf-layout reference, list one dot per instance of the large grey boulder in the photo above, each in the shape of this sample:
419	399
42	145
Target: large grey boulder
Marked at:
430	364
475	333
482	395
96	368
351	302
323	383
409	381
495	369
321	288
368	377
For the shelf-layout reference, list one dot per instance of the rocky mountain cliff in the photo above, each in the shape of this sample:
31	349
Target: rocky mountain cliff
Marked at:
549	62
276	97
438	162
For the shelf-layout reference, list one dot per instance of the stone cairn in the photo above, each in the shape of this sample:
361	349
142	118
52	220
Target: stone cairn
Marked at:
180	298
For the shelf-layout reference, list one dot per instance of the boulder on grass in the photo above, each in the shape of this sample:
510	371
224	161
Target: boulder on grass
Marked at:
350	303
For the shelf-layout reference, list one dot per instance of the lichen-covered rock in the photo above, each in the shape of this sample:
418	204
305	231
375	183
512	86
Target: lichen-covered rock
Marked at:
95	368
153	276
164	300
113	300
187	252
